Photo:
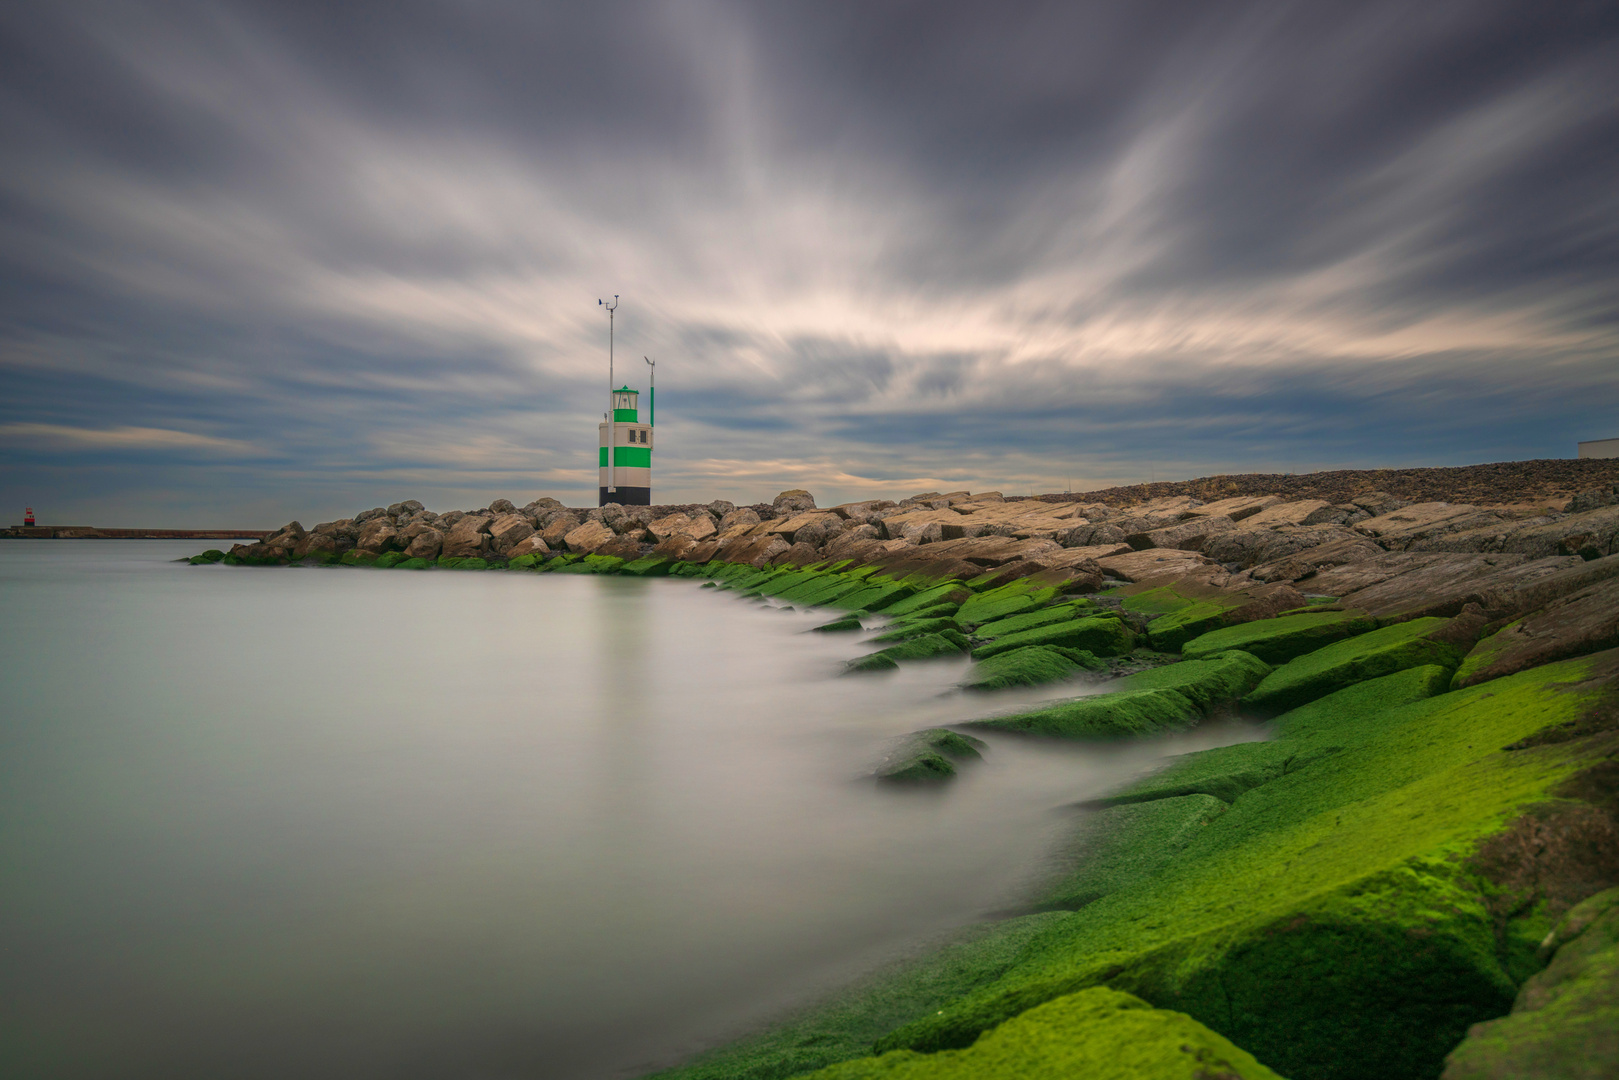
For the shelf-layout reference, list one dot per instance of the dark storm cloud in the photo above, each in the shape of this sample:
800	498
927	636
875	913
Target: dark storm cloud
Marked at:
297	258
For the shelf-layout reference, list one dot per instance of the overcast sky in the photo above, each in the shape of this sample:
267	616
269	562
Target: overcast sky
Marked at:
265	261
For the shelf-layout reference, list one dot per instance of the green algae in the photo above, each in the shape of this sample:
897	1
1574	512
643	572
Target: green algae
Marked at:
1056	613
1356	659
648	566
949	592
1327	921
1564	1024
1169	632
212	555
947	643
523	562
905	629
1104	716
413	564
1276	641
929	755
838	626
389	560
1208	683
1121	845
846	1025
1104	635
1096	1034
1030	666
874	596
999	603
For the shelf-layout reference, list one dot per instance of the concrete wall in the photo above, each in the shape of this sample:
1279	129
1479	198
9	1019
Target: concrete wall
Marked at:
1600	448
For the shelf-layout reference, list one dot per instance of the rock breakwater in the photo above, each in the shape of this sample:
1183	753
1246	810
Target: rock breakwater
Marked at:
1395	885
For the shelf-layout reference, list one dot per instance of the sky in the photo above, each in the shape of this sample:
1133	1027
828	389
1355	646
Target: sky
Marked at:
265	261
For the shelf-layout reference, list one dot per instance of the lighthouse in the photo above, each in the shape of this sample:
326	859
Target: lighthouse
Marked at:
625	473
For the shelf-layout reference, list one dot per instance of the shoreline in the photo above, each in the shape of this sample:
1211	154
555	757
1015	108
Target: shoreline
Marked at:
1382	890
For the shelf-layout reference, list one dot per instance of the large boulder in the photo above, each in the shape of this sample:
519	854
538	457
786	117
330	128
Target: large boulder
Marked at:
808	528
1302	512
425	544
1280	639
793	501
378	536
1585	621
588	537
1417	643
1300	565
1409	584
1247	546
1564	1024
1190	535
928	755
506	531
529	545
557	528
1400	529
738	519
1236	508
1153	564
468	538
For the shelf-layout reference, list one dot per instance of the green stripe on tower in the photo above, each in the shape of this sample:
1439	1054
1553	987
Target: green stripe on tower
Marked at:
635	457
625	416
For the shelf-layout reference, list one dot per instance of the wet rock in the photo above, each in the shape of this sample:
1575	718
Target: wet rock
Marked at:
1417	643
1583	622
506	531
799	554
378	536
1030	666
929	755
793	501
532	544
468	538
1408	584
1280	639
1564	1024
587	538
1190	535
426	544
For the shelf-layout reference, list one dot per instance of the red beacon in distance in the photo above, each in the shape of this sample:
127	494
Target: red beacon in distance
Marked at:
28	516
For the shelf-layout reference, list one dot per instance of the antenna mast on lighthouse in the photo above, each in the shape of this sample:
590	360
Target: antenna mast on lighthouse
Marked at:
611	427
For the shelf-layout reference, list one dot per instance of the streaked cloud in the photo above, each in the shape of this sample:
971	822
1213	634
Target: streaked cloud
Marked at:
921	245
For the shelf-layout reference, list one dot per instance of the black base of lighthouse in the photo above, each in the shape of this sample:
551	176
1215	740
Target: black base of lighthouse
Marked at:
626	496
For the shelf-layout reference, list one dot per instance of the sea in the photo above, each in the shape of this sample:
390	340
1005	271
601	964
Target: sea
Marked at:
340	822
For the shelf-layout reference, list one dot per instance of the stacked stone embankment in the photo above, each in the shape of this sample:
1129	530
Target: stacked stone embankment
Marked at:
1412	877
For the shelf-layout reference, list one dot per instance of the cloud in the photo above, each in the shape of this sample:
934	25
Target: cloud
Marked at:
872	246
126	438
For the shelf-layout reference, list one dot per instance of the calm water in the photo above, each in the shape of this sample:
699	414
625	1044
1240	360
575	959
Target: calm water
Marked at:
342	823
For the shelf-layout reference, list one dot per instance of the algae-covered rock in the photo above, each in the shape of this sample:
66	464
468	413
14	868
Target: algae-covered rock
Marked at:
1104	716
947	643
1123	845
1208	683
949	592
836	626
1011	599
905	629
929	755
650	566
1042	617
1278	640
413	564
1564	1024
1030	666
1095	1034
1585	621
1417	643
1103	635
212	555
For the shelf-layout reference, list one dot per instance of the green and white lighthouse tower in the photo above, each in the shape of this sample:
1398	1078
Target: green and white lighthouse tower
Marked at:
626	472
623	443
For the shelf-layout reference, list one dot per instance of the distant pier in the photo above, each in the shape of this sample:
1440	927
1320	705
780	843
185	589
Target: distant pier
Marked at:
89	532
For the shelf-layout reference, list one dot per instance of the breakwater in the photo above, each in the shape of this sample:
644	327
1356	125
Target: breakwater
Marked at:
1414	878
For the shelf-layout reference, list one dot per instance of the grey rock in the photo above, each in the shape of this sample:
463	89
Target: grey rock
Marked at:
426	544
793	501
469	537
502	506
720	507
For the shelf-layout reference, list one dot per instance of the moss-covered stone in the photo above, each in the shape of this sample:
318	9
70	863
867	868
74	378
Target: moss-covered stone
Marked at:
1357	659
1104	635
212	555
1209	683
874	596
649	566
1276	641
1123	845
1031	666
999	603
948	592
1056	613
1096	1034
1104	716
1329	921
413	564
388	560
842	625
947	643
1564	1024
524	562
929	755
905	629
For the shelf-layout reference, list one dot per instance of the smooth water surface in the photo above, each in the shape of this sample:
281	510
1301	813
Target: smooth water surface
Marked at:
271	822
